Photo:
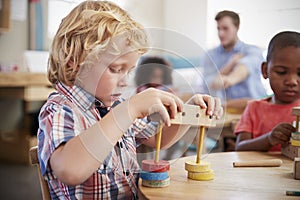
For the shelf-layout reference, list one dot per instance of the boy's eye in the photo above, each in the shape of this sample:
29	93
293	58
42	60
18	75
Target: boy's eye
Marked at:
280	72
115	69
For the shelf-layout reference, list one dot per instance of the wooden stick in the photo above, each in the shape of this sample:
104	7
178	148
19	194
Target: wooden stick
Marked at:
158	142
259	163
297	123
200	144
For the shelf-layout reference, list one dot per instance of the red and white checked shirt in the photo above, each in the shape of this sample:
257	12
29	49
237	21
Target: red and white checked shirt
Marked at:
65	115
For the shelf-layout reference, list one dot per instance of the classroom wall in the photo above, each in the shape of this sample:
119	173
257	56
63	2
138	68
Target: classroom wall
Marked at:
260	20
13	43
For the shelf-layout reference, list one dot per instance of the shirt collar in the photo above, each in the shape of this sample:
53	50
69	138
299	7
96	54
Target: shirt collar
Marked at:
78	95
237	47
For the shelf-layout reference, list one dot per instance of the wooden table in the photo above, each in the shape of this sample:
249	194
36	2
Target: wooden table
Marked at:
20	95
229	182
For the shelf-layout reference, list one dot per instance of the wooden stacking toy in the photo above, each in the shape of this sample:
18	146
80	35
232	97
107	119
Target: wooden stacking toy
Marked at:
193	115
292	150
155	173
199	170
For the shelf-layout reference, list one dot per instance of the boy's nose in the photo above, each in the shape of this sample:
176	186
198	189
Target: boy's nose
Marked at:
123	81
293	80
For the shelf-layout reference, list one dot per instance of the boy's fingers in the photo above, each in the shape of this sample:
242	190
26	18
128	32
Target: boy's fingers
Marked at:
218	111
199	100
162	111
177	100
210	101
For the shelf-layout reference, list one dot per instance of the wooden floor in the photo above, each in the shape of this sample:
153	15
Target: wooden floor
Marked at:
19	182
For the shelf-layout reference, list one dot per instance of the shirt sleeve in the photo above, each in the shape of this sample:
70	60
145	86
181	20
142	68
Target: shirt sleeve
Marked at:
144	129
252	59
245	124
56	126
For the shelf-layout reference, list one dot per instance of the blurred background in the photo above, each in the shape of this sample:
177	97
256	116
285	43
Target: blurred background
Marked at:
181	31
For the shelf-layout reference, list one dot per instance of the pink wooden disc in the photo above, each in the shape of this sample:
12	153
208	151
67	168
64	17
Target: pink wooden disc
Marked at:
151	166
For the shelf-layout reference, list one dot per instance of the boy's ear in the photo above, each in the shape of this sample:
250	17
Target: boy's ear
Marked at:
264	69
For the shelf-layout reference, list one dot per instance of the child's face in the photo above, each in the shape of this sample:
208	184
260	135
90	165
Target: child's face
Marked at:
283	71
114	78
157	76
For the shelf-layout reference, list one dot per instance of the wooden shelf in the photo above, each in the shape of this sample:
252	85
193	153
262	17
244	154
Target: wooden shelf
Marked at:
23	79
4	15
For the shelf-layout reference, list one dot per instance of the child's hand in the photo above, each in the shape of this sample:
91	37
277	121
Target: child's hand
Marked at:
212	104
281	134
153	100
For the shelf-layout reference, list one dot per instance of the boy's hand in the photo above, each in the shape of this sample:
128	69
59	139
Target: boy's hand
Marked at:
281	134
212	104
155	101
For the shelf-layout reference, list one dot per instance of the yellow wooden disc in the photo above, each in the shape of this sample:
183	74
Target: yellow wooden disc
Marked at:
295	142
192	166
202	176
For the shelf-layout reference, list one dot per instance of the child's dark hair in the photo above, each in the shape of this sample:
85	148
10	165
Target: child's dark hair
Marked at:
147	65
282	40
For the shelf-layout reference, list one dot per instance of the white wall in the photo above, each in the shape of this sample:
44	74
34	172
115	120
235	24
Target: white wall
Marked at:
260	20
188	19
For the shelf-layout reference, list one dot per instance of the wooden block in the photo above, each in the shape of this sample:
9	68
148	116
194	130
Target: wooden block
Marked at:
290	151
156	184
193	115
297	168
190	115
296	111
201	176
152	166
154	176
259	163
192	166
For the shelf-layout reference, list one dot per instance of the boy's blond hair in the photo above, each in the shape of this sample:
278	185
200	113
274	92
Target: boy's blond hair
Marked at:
89	26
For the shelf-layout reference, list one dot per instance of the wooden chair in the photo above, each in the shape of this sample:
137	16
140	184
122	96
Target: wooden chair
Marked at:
35	161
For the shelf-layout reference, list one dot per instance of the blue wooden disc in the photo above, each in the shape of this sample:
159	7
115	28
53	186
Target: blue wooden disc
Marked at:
158	176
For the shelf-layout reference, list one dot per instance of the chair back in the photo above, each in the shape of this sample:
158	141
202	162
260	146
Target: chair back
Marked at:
35	161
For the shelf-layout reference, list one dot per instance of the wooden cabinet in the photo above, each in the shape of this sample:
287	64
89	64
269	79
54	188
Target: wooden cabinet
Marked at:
4	15
21	95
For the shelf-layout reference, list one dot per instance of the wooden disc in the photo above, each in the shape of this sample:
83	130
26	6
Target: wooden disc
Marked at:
152	166
192	166
154	176
156	184
295	142
296	111
296	136
201	176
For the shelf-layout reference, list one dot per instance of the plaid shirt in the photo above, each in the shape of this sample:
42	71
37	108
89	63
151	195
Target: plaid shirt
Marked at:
65	115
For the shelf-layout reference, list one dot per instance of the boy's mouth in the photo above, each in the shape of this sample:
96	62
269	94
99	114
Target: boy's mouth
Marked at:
290	92
116	96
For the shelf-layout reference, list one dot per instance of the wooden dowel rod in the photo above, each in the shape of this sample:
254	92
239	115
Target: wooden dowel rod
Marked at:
297	123
200	144
158	142
259	163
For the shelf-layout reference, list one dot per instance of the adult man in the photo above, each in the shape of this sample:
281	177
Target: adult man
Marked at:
232	70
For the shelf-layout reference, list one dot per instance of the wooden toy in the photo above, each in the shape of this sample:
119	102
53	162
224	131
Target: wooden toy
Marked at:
296	170
259	163
155	173
292	150
193	115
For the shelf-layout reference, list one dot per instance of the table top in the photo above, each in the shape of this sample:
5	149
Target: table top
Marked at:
229	182
19	79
